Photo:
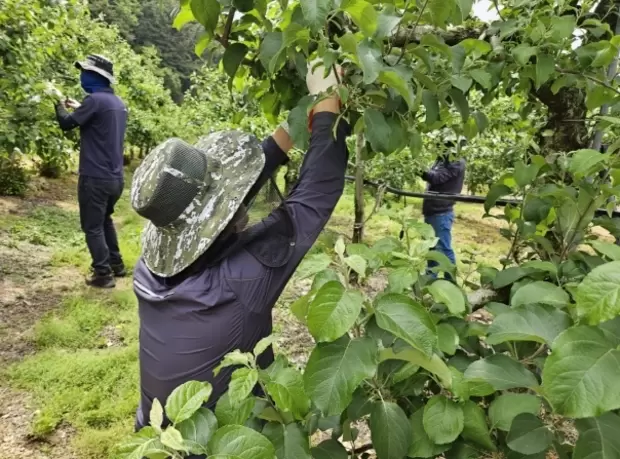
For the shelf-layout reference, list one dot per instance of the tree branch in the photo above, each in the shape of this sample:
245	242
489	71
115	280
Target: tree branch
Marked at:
450	37
228	26
591	78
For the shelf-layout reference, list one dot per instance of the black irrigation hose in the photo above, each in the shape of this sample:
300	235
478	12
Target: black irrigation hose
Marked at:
455	197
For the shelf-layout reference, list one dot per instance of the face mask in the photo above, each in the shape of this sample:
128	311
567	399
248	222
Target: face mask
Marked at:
93	82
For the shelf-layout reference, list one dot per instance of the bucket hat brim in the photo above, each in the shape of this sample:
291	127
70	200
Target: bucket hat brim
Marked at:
170	249
82	65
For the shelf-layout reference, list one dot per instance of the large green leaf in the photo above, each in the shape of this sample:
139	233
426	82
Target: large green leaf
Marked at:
501	372
387	22
271	50
242	383
363	14
523	53
315	12
422	445
379	131
233	56
370	59
228	413
290	441
481	77
443	420
475	427
389	430
448	338
460	102
506	407
402	279
449	294
431	104
580	376
186	399
541	293
286	388
408	320
333	311
598	295
400	83
534	322
173	439
585	162
496	191
607	249
335	370
528	435
433	364
184	16
198	430
598	437
240	442
330	449
207	12
545	67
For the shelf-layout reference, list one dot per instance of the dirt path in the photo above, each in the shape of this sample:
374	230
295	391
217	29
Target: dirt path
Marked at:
29	289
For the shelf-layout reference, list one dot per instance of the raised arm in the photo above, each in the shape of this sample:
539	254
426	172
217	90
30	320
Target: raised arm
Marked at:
444	173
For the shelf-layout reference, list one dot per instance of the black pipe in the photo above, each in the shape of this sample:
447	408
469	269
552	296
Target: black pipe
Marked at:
456	197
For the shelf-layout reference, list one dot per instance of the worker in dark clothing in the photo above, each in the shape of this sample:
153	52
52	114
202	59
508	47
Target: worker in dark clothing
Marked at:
445	176
206	283
102	119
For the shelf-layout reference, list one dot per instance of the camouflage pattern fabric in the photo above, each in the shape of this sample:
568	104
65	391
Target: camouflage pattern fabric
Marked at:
171	249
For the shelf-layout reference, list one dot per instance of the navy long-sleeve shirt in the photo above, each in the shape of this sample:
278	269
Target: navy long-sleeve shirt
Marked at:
187	329
444	176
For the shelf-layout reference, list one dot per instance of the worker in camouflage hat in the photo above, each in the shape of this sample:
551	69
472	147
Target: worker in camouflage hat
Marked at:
208	278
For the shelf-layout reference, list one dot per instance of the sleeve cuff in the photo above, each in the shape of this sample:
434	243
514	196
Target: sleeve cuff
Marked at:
273	153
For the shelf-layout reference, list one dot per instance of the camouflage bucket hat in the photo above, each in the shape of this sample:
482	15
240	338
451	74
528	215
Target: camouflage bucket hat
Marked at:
189	194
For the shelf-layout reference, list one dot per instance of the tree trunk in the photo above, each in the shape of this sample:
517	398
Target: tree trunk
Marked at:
358	226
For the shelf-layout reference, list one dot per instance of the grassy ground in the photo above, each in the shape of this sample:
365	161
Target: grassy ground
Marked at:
69	382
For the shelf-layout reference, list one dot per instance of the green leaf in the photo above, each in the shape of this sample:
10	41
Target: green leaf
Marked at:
389	430
433	364
386	23
335	370
357	264
233	56
481	77
443	420
240	442
496	192
286	388
607	249
184	16
289	440
264	344
586	162
207	12
461	82
401	279
476	47
228	413
447	293
313	264
370	60
545	67
448	338
581	374
598	295
315	12
241	384
173	439
528	435
234	358
157	415
408	320
330	449
431	103
598	95
186	399
508	406
460	102
523	53
379	135
509	276
394	79
333	311
562	27
540	293
598	437
271	51
475	426
363	14
422	445
524	174
501	372
530	322
440	11
198	430
244	6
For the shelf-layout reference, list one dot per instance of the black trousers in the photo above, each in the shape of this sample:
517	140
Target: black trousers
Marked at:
97	198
